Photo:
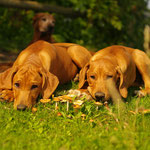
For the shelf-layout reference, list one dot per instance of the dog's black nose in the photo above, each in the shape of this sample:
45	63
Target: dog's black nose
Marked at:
21	107
99	95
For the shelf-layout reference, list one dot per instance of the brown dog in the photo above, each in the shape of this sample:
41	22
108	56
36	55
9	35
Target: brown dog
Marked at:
43	24
39	69
121	64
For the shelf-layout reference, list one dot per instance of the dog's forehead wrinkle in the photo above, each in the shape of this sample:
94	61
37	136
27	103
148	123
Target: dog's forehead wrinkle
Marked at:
103	66
28	74
27	70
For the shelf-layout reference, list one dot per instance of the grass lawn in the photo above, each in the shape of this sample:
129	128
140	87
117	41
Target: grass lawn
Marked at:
100	129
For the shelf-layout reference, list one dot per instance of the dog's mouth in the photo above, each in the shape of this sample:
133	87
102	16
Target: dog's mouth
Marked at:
104	101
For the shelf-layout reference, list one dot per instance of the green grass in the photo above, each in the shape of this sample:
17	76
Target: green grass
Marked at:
99	130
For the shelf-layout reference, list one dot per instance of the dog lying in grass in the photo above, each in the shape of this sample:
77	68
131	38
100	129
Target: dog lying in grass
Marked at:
125	66
39	69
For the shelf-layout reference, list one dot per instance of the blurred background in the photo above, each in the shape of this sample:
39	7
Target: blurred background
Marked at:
94	24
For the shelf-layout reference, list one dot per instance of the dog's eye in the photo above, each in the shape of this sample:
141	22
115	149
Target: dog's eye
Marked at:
17	85
109	76
34	86
92	77
43	19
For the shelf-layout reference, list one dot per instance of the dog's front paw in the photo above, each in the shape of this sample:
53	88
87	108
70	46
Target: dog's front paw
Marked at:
6	95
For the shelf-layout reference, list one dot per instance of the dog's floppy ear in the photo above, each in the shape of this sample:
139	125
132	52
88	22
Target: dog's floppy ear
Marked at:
122	88
36	17
6	78
83	75
50	83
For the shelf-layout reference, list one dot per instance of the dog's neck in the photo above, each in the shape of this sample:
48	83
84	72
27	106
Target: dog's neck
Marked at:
46	36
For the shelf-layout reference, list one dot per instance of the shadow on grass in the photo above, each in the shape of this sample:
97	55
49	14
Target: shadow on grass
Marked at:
62	89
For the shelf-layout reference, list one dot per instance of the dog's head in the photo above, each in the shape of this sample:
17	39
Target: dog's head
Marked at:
95	74
44	22
27	82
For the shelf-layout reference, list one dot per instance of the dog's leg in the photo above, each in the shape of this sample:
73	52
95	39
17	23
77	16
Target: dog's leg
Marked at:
6	95
79	55
143	65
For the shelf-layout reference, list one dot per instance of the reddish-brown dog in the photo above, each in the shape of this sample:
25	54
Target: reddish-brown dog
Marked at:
121	64
39	69
43	24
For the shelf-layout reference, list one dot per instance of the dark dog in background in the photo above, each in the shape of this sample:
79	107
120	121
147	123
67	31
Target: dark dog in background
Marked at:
43	24
40	68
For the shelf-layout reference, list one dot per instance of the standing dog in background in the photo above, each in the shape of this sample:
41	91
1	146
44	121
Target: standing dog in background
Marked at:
43	24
